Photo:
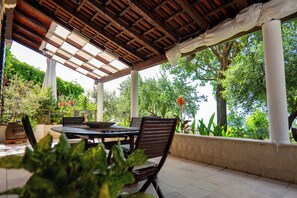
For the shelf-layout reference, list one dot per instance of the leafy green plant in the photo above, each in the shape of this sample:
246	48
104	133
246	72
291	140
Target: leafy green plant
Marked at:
193	126
64	171
202	128
257	126
21	98
211	128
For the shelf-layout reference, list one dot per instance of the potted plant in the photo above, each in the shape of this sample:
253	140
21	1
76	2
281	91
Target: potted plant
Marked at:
64	171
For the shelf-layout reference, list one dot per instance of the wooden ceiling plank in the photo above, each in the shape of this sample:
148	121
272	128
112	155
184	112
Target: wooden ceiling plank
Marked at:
155	21
175	15
36	6
108	2
136	22
188	8
81	4
124	11
241	4
118	22
160	5
185	26
220	8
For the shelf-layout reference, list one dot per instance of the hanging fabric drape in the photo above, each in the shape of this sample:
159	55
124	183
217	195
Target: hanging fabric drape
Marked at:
248	18
50	77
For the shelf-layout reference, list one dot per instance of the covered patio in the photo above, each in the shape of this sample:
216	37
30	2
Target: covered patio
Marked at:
183	178
105	40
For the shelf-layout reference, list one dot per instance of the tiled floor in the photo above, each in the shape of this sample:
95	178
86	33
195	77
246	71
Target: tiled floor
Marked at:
181	178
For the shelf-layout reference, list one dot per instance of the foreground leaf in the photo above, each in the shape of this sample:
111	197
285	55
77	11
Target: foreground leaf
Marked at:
11	161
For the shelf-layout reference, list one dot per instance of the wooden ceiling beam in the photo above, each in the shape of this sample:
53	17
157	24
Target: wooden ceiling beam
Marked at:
50	15
9	22
188	8
83	19
28	19
24	42
155	21
23	37
139	66
27	30
115	19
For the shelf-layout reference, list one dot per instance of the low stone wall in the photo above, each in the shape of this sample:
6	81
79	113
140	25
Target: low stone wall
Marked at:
40	131
256	157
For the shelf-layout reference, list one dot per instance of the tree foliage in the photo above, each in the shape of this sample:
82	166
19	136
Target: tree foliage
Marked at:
249	91
157	97
209	65
23	98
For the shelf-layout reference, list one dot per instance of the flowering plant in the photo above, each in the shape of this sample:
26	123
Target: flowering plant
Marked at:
183	124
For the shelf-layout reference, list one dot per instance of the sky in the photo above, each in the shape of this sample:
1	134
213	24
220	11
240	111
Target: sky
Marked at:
37	60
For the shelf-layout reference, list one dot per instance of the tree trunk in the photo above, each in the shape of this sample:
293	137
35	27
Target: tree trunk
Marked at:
221	107
292	117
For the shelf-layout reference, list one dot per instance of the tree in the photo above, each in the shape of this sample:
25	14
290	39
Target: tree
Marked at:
157	97
209	65
249	91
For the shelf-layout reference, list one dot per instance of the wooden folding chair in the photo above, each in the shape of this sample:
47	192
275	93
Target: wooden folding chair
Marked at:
29	131
155	138
72	121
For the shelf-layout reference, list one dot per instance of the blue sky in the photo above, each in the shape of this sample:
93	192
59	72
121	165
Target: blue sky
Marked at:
39	61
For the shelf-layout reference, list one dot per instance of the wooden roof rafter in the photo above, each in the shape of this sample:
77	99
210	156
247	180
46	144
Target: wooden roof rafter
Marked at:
36	6
115	19
185	5
102	35
156	21
85	20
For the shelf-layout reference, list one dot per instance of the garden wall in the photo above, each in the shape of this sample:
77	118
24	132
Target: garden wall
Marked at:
40	131
256	157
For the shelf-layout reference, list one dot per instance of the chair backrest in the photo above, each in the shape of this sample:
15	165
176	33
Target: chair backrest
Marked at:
156	135
73	121
135	121
28	130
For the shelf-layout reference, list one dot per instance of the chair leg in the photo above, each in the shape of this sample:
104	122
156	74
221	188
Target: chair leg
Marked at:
146	184
157	187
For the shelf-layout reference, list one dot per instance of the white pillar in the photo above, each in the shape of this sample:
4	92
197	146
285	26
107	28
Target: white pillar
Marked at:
275	82
100	102
134	93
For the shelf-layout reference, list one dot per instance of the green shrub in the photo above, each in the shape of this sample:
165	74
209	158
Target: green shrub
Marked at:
64	171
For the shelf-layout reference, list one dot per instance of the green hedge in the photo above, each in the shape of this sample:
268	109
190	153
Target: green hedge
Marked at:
30	73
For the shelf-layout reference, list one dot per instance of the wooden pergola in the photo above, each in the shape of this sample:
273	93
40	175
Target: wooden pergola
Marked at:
135	33
108	39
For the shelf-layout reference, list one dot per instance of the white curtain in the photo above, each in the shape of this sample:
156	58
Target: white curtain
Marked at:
50	76
252	16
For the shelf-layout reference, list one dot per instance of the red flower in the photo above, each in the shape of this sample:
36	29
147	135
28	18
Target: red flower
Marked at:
62	103
180	101
71	102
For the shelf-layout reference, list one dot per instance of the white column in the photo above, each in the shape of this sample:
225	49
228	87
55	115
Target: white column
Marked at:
134	93
275	82
100	102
